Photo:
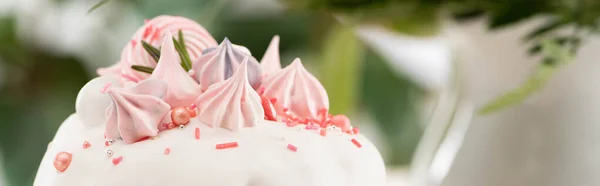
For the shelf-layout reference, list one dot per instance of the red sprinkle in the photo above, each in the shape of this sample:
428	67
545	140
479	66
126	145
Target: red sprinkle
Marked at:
106	143
104	88
197	133
143	139
323	132
356	143
292	147
86	144
167	151
117	160
147	31
227	145
268	109
355	130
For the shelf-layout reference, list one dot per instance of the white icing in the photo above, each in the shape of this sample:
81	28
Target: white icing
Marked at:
261	159
91	103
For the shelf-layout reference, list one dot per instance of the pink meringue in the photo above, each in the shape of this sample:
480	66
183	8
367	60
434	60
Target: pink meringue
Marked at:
219	64
270	63
297	93
196	40
136	112
231	104
182	89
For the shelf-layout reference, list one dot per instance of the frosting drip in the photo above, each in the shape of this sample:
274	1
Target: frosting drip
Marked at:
196	40
296	92
182	89
231	104
137	111
219	64
270	63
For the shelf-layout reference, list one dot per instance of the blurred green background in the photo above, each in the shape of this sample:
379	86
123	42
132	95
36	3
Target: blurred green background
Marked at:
50	49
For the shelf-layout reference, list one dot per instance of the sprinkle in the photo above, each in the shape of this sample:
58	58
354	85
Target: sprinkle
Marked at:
356	142
286	109
227	145
109	153
86	144
117	160
143	139
355	130
62	161
147	31
104	88
273	100
292	147
311	127
197	133
323	132
133	43
106	143
167	151
192	106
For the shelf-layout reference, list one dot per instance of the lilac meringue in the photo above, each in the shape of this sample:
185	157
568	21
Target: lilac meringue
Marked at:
219	64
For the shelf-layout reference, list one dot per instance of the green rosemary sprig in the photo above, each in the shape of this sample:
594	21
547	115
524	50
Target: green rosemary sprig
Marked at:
97	5
186	62
145	69
154	52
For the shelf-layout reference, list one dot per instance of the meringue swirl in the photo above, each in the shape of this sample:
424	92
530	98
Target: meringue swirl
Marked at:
297	93
231	104
196	37
218	64
182	89
271	63
137	111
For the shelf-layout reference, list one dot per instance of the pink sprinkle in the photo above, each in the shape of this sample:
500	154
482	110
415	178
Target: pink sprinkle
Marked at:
311	127
355	130
286	109
192	106
261	90
323	132
86	144
197	133
167	151
105	88
273	100
292	147
117	160
227	145
106	143
356	143
147	31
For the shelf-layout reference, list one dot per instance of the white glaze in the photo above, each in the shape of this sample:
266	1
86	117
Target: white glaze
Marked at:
261	159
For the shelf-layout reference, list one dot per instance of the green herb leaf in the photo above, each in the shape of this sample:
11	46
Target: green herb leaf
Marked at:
97	5
186	55
154	52
556	56
145	69
185	60
549	26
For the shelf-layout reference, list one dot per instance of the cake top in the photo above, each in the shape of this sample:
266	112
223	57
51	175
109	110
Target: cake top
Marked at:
173	71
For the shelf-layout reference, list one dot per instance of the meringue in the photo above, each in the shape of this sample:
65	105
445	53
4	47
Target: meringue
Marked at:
196	39
270	63
182	89
219	64
231	104
297	92
137	111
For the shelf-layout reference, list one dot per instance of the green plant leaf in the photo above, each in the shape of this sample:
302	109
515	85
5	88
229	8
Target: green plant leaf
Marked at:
556	56
186	62
341	63
549	26
154	52
145	69
97	5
